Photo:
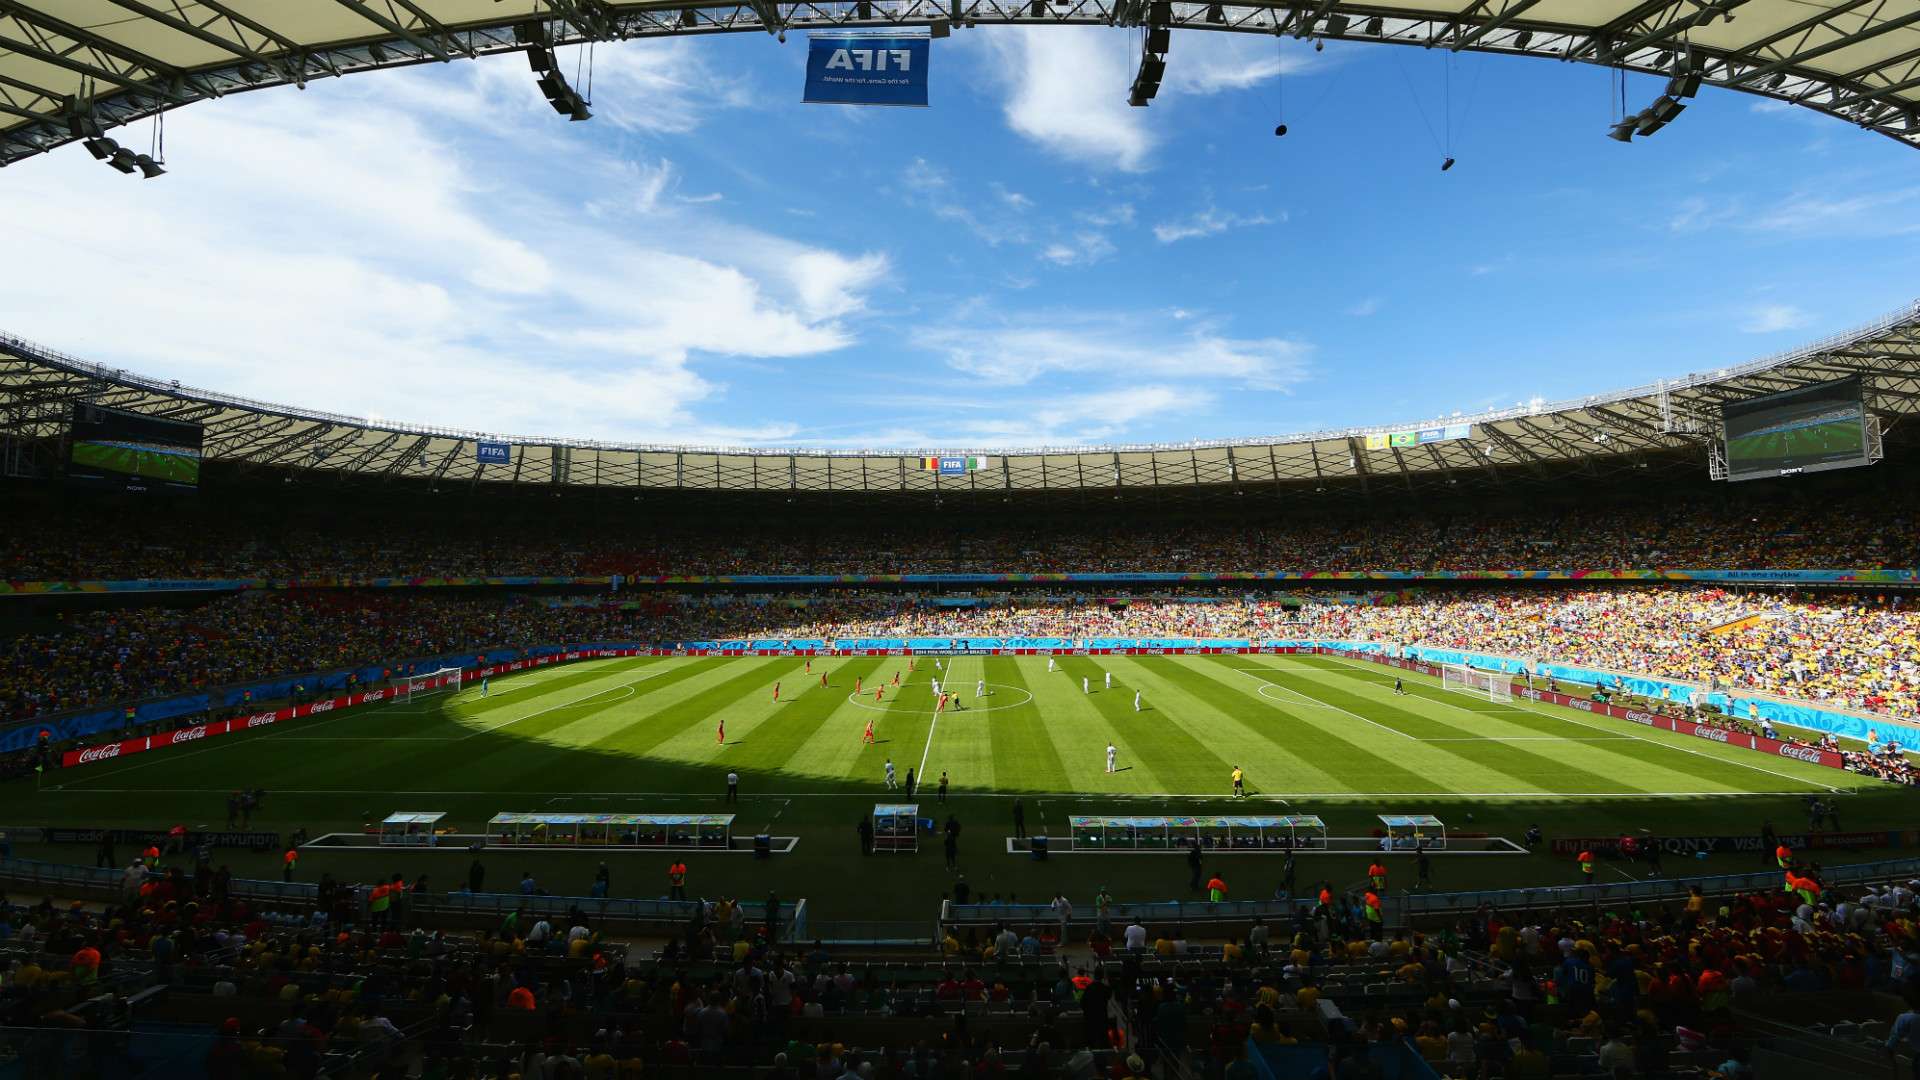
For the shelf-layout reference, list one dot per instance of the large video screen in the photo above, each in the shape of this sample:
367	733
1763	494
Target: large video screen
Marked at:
139	453
1811	429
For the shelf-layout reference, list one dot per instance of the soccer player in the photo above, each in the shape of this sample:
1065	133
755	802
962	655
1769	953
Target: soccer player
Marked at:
980	688
1085	687
1049	665
942	706
809	665
720	732
936	686
733	787
868	738
1109	685
823	680
1112	754
856	683
776	693
1399	687
483	686
943	782
896	678
891	782
879	693
936	665
1239	782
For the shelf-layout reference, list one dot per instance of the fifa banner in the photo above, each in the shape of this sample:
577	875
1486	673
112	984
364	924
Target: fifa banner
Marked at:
955	466
1381	440
867	70
493	453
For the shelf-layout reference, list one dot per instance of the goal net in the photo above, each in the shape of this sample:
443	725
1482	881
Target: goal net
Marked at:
444	681
1461	679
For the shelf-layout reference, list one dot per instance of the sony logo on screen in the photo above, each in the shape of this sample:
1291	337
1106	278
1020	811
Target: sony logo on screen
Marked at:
870	60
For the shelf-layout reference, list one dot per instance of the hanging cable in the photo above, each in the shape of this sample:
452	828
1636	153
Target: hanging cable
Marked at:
1280	86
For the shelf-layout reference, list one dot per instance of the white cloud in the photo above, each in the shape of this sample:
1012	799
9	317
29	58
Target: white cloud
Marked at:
1068	418
1068	92
328	250
1773	318
1205	62
1209	222
1080	249
1360	309
1019	351
1011	198
930	187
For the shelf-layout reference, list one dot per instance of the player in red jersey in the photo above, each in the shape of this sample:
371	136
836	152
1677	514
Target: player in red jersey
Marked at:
856	684
896	678
823	680
720	733
868	739
879	693
776	692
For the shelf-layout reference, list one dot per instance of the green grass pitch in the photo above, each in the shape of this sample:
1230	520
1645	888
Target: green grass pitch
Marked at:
1314	734
179	467
1838	437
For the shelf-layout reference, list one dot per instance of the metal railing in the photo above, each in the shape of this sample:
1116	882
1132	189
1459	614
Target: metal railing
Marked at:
1549	896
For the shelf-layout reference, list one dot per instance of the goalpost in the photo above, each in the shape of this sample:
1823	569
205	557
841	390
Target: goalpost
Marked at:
443	681
1461	679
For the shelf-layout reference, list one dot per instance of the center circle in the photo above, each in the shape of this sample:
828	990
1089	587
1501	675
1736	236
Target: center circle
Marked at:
903	707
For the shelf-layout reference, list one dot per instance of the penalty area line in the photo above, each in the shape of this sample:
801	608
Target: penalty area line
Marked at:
1323	704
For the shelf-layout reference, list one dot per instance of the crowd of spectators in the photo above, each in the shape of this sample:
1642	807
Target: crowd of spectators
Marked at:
1854	651
213	537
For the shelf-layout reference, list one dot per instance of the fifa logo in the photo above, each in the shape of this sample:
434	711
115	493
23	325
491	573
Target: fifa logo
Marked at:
870	60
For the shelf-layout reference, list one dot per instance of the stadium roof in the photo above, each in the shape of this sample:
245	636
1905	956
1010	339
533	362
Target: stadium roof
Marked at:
39	386
117	61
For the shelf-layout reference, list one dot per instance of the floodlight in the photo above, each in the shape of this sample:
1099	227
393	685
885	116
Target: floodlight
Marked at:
1522	39
149	168
1374	25
1623	131
1336	25
1684	85
102	148
1447	164
1665	108
124	160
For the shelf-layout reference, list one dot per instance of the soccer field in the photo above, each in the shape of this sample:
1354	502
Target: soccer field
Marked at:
1314	734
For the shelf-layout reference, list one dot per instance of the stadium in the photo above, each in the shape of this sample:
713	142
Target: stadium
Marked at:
1567	738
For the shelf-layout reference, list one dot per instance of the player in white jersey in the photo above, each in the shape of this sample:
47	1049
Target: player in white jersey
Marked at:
936	688
1085	687
1109	680
1136	701
1111	755
1049	665
980	688
891	782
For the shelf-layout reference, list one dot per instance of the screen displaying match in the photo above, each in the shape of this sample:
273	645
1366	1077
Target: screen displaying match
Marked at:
1811	429
132	451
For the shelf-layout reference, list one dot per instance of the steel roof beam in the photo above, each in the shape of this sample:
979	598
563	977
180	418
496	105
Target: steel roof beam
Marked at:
392	26
1844	41
181	25
79	67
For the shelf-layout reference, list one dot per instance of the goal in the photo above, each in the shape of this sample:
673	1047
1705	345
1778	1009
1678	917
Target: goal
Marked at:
1461	679
444	681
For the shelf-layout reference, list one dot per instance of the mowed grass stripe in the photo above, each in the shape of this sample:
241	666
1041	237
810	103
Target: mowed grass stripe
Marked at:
963	740
1353	765
1182	763
898	734
503	755
1021	732
1254	735
1080	733
1556	771
816	734
1692	768
364	745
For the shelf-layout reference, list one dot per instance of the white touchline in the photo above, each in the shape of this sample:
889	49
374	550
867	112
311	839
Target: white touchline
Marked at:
1535	710
1322	704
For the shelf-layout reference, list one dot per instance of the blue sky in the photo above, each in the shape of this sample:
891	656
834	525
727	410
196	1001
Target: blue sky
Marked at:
1028	262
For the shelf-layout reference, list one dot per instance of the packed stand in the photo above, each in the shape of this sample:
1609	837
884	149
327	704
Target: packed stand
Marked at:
1852	651
284	537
